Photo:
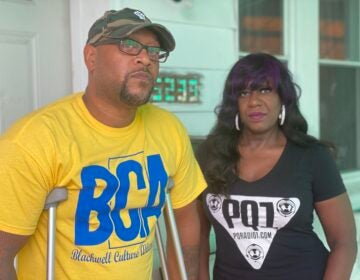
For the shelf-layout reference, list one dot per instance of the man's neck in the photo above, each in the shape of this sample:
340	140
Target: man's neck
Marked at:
113	115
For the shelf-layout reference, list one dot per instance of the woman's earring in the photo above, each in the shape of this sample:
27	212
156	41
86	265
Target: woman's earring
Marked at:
237	122
282	115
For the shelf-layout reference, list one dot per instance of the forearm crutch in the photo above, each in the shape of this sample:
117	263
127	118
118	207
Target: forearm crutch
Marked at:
169	214
53	199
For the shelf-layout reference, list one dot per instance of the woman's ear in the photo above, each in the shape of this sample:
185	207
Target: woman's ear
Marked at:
89	57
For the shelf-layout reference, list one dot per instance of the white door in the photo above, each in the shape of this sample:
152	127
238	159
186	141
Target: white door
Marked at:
35	57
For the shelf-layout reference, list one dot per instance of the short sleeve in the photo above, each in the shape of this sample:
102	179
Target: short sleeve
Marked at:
189	182
327	181
22	190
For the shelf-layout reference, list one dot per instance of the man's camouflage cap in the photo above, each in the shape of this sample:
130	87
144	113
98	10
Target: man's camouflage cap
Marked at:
114	25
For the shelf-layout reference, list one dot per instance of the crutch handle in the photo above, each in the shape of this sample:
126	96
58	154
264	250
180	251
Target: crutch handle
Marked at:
56	196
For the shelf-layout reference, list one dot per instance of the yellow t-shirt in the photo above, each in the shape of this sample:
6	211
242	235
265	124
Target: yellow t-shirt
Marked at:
115	179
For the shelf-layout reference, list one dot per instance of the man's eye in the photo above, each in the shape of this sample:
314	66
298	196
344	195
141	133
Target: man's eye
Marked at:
130	44
154	51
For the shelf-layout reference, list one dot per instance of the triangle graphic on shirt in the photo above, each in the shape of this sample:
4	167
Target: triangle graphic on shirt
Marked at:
252	221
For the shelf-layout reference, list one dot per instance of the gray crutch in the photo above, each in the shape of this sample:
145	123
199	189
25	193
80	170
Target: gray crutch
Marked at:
169	214
53	199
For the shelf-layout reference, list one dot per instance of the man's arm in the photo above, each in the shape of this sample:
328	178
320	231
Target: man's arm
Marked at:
188	225
10	244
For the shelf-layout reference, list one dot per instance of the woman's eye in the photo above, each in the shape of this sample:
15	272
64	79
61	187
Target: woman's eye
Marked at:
244	93
266	90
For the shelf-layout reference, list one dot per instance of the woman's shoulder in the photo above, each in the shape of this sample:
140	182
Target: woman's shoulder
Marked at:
313	150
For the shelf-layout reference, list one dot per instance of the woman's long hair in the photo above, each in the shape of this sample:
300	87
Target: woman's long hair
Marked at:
218	154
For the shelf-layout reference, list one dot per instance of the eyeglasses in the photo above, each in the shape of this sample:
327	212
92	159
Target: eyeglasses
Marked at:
132	47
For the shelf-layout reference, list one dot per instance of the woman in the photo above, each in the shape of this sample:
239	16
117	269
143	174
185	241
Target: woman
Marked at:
265	177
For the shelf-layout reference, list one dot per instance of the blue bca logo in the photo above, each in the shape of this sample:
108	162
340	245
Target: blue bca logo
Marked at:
101	215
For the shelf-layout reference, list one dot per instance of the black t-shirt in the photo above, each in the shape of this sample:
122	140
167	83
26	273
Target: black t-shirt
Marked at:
264	228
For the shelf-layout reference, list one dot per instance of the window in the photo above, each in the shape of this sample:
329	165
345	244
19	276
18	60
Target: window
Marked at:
340	79
261	26
339	33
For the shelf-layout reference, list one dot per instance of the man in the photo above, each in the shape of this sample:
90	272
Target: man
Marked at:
114	153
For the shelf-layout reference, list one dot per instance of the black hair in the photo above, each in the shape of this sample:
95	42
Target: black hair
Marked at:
218	154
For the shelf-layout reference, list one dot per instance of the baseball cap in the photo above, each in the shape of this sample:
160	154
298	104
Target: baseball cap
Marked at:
114	25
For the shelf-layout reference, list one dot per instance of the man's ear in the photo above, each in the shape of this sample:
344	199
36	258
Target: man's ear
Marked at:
89	57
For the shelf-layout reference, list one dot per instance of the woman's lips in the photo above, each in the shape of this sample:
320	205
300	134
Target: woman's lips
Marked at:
256	116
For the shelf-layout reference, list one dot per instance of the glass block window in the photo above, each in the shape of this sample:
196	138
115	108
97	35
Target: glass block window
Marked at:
339	29
261	26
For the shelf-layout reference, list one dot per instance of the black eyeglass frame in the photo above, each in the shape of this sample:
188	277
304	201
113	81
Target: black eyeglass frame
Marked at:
117	41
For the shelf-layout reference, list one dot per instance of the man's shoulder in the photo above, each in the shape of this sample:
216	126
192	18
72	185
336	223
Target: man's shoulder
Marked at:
162	121
153	112
39	119
60	104
152	108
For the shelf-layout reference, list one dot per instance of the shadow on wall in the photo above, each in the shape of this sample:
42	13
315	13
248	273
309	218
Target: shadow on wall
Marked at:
196	141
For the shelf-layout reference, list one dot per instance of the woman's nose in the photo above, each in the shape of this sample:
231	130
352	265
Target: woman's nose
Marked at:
254	98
